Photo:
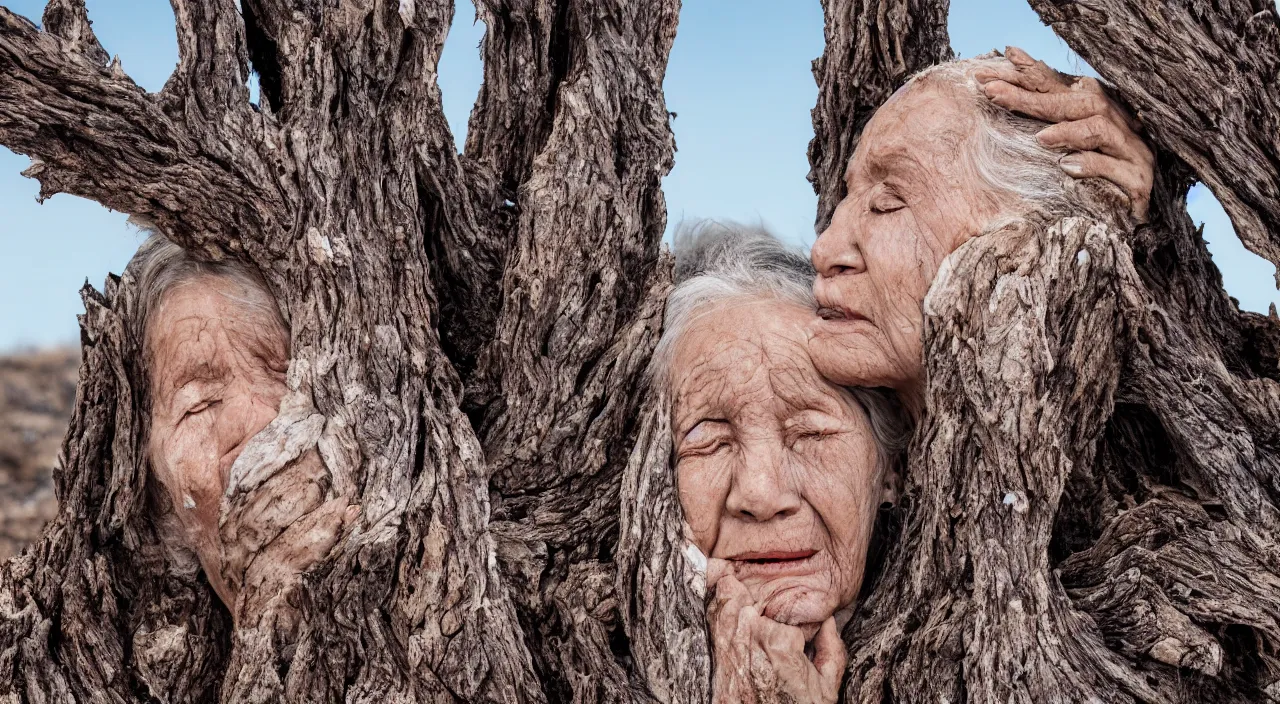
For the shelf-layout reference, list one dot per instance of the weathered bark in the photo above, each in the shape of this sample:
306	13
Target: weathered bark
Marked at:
1090	510
1092	495
522	277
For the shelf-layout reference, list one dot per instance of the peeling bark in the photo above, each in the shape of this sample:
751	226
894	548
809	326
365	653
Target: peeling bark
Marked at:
1122	549
520	282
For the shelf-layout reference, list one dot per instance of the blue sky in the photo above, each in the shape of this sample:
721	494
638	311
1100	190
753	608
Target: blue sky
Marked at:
739	81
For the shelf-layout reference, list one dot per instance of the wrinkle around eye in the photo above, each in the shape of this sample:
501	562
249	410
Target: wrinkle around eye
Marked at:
705	438
200	407
886	201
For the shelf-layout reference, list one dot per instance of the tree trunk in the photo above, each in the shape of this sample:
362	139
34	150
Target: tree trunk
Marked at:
1092	496
460	323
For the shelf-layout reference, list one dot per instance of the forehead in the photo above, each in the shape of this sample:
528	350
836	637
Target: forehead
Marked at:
740	343
195	318
925	121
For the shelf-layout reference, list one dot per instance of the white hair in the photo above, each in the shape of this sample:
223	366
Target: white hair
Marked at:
1004	150
717	263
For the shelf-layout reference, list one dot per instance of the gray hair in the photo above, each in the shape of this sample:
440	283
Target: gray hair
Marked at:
160	266
720	262
1004	150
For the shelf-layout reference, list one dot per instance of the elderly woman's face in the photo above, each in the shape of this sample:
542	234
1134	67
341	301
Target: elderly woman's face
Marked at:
777	467
913	198
217	368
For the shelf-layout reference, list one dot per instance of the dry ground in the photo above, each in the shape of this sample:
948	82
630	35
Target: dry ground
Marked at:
37	394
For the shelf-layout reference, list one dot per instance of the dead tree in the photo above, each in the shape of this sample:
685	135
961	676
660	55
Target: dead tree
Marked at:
472	327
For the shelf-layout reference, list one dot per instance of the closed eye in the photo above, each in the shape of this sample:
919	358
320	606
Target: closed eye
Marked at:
707	438
201	407
886	201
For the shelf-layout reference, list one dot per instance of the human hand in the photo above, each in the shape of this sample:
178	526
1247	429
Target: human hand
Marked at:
1100	136
274	535
761	661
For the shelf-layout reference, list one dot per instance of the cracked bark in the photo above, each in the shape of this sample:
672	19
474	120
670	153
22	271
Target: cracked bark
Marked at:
517	284
1092	499
1090	510
1092	503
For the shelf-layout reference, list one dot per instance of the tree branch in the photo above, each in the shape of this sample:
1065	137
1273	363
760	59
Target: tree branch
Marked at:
1203	85
213	63
69	20
93	132
872	48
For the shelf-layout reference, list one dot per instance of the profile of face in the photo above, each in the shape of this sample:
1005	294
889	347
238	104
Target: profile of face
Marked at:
217	367
913	198
777	468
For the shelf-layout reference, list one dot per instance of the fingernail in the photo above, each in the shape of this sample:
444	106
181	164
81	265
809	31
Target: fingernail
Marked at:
1072	164
1045	141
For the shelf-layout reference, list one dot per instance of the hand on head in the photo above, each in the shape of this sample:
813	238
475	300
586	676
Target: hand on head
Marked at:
1099	136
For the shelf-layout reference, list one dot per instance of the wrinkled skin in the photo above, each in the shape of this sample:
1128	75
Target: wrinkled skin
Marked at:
914	197
780	481
217	368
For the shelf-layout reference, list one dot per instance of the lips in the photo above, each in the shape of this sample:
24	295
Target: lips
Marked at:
751	566
774	556
840	314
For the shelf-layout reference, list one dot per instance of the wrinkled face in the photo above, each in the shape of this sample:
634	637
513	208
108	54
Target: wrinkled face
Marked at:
776	467
217	370
913	198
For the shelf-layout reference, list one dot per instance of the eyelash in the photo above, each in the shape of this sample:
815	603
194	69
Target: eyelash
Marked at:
898	203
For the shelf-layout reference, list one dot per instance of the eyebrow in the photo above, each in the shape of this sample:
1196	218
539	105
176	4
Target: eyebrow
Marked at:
882	162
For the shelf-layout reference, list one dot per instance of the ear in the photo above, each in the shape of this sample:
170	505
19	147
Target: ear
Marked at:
890	487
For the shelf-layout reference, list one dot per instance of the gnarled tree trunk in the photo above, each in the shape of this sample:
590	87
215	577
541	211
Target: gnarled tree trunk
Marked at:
1093	497
470	327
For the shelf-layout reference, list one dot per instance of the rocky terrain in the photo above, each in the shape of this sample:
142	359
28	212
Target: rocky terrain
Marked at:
37	394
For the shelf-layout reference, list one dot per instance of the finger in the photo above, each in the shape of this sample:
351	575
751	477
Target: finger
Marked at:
306	542
717	569
1036	76
1133	179
829	655
785	647
726	608
250	521
1095	133
1050	107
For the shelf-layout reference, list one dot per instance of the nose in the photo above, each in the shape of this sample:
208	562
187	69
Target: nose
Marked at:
836	252
760	491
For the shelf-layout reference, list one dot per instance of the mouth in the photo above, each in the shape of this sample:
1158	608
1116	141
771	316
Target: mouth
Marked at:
829	313
774	557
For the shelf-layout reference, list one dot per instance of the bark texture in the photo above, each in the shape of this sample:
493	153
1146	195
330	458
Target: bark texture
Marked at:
1090	513
455	319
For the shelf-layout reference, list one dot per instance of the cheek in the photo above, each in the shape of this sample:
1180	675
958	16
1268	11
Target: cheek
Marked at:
703	486
843	488
244	414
